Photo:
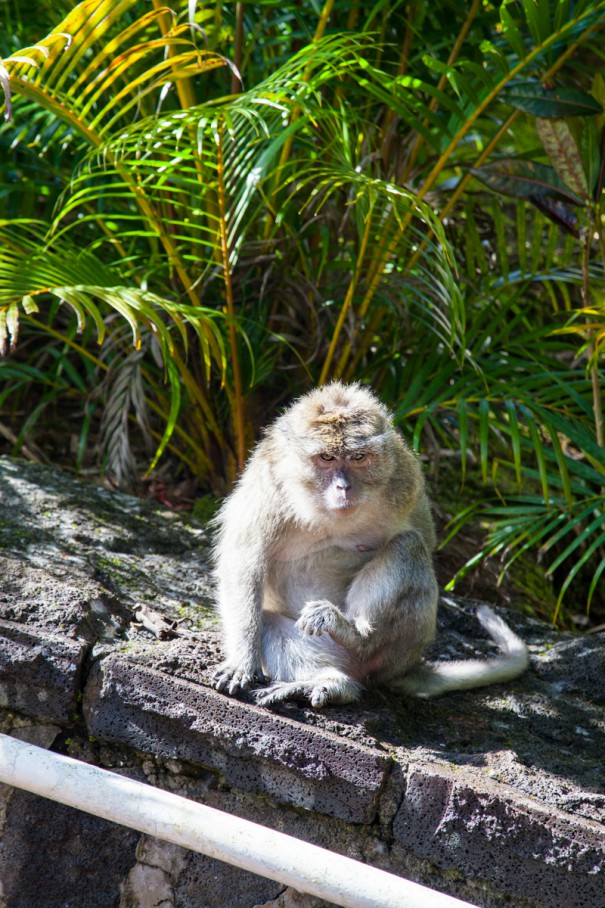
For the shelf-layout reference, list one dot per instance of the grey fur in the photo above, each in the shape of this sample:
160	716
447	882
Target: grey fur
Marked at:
323	562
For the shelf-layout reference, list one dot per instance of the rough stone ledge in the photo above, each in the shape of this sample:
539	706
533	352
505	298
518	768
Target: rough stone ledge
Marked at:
496	796
253	749
39	672
463	821
456	818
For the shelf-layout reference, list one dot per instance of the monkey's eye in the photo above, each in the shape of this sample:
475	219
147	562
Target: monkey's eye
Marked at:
327	458
358	456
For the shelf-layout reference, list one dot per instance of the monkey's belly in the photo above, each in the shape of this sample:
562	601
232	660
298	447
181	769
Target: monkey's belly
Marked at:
322	575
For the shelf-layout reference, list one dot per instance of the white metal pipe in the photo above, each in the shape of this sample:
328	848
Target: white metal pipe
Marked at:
305	867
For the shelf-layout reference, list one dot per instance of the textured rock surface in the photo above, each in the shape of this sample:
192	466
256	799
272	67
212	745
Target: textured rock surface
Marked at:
496	796
39	672
253	749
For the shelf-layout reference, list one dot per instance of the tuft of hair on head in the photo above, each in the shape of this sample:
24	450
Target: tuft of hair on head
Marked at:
339	402
338	416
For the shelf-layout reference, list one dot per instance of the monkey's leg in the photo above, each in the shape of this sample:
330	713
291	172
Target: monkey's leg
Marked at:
314	668
337	688
320	616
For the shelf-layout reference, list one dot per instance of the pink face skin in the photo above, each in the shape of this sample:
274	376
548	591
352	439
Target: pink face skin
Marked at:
338	479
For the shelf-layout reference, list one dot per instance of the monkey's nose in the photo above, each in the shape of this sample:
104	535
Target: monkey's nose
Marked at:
342	484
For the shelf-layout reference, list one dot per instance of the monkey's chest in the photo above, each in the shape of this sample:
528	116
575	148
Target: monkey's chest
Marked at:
326	574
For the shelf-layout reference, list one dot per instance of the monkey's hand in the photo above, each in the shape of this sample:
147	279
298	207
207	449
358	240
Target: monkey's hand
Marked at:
232	677
320	616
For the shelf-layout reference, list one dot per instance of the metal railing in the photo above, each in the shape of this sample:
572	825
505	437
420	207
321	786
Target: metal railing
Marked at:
305	867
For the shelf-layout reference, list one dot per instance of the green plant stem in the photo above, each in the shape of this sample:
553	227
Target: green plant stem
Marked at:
391	118
184	87
595	378
597	401
240	434
196	393
48	329
347	303
238	51
496	139
287	147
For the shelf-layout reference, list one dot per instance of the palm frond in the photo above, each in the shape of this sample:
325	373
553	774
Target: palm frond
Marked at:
94	71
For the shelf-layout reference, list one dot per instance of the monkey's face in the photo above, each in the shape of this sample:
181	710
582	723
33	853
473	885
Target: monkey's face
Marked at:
342	480
334	453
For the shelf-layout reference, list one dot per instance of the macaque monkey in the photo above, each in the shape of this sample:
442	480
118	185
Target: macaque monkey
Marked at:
325	580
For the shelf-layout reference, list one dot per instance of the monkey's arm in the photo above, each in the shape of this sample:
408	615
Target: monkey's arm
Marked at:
397	586
393	597
240	603
240	559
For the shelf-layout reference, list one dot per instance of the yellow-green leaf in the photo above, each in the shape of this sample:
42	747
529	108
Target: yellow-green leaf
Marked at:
29	304
3	332
12	323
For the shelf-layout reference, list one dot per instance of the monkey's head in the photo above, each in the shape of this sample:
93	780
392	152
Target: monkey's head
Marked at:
339	451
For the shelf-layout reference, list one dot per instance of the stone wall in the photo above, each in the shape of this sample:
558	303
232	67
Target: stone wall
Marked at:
495	796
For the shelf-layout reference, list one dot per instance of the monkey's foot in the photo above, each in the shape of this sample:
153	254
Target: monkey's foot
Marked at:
230	678
317	694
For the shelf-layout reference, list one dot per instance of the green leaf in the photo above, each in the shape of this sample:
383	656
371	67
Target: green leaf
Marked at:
601	174
595	581
538	451
560	101
537	13
578	541
463	430
175	406
569	521
515	438
598	90
563	153
558	212
484	437
561	460
511	32
591	154
94	76
523	179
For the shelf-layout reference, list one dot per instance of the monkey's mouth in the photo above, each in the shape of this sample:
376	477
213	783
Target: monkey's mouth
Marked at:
342	505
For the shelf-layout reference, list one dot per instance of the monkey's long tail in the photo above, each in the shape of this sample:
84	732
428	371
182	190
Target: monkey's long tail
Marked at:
432	678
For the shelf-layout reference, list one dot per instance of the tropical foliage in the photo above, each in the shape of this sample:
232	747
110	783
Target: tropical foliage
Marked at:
241	199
